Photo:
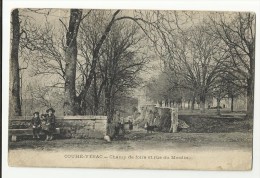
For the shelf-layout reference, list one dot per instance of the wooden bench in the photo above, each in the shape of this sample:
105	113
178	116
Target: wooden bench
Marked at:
14	133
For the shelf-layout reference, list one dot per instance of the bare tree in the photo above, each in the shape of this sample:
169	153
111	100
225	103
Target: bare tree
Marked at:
71	59
15	103
91	44
238	33
22	41
120	64
94	58
55	55
220	92
52	54
195	58
112	74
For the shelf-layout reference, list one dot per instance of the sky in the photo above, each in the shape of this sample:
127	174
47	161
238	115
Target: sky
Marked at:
39	17
55	16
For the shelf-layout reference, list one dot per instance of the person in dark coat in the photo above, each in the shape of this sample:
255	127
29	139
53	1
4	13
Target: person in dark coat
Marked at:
36	125
51	121
119	124
150	118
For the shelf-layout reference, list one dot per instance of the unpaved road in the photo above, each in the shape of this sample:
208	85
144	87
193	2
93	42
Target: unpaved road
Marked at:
140	140
205	151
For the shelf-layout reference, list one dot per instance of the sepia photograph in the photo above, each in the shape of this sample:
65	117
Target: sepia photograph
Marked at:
142	89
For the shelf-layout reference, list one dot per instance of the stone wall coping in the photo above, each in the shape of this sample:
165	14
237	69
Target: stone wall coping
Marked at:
166	108
26	118
87	117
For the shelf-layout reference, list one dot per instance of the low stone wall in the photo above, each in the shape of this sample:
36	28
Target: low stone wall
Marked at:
72	126
84	126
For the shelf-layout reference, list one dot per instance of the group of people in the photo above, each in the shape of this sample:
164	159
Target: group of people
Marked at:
45	123
120	123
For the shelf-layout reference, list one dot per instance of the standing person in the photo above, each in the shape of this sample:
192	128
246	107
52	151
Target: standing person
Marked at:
36	125
117	123
150	118
51	120
122	125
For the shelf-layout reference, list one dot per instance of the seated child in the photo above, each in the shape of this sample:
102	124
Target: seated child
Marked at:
36	125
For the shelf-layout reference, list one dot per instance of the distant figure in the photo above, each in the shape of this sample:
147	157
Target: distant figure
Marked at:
119	124
150	117
130	122
149	128
36	125
49	126
156	120
160	103
131	126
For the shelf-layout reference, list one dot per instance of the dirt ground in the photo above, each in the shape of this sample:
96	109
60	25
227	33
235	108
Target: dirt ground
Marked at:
140	140
210	143
204	132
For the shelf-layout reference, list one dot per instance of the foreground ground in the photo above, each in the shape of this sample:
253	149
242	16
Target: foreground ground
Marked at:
140	140
209	144
204	132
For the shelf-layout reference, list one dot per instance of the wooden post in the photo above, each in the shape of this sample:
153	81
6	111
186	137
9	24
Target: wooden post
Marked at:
174	120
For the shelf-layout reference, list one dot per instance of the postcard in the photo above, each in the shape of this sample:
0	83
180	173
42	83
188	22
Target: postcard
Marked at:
143	89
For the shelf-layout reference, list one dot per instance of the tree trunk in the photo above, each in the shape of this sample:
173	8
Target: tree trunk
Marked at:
96	98
250	98
108	112
166	102
218	106
232	103
15	103
250	83
71	59
193	103
202	103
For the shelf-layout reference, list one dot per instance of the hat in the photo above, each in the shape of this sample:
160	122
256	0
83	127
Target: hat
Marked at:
50	109
36	113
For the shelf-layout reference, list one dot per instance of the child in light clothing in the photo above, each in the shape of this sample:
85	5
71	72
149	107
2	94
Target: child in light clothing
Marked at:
36	125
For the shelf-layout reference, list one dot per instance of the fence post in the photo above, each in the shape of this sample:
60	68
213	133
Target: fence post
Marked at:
174	120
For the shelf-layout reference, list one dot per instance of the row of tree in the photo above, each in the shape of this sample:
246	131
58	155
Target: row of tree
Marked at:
205	56
95	56
95	59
